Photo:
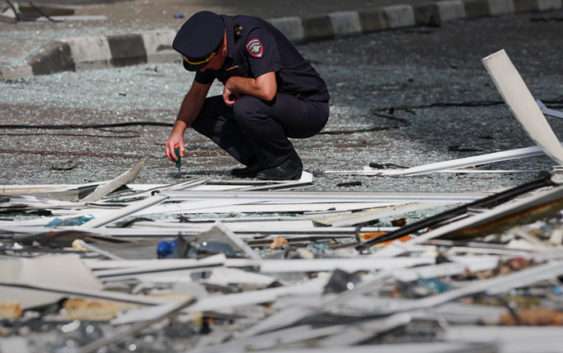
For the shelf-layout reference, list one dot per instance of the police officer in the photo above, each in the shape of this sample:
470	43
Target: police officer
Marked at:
270	93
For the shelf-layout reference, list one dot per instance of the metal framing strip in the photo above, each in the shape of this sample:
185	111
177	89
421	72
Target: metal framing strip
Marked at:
126	211
548	111
283	196
538	201
96	294
487	202
114	184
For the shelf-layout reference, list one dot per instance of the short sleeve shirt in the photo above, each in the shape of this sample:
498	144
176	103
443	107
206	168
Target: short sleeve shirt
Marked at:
262	53
258	48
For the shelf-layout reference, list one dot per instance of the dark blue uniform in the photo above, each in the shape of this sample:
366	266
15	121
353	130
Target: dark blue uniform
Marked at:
253	131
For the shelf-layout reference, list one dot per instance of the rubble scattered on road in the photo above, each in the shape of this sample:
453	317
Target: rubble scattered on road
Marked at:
213	266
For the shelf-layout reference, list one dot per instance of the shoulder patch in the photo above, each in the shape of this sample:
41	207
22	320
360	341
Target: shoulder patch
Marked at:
255	48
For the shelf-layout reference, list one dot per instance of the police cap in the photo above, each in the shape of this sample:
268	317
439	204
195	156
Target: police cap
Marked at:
199	39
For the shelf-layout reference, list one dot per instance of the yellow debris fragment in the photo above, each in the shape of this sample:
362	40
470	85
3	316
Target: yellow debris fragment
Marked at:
534	317
95	310
10	310
279	242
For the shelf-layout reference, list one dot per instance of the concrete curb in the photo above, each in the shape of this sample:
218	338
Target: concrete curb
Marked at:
82	53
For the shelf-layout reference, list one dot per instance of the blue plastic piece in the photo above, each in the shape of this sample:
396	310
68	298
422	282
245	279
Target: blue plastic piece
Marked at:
165	248
435	285
75	221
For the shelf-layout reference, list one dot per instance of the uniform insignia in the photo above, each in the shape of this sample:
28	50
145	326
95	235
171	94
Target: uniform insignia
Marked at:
255	48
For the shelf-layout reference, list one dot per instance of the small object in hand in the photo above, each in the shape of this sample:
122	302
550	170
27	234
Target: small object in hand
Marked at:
178	161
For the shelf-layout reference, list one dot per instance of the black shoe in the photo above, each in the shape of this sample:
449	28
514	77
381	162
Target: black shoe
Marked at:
246	172
291	169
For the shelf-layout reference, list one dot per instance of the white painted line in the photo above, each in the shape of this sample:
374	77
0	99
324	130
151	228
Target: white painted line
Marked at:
451	10
399	16
546	5
291	27
345	23
158	45
89	52
501	7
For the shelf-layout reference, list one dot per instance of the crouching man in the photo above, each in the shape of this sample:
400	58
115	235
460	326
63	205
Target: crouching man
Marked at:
270	93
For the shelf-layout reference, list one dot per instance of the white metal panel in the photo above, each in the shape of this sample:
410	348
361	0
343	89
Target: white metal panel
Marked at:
522	104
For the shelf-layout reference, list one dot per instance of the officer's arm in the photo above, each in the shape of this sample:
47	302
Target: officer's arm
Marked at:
264	86
189	110
192	103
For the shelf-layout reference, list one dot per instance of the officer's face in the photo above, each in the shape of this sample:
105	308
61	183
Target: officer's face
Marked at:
213	64
219	59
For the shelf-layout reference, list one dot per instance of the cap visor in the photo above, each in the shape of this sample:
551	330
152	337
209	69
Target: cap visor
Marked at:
190	67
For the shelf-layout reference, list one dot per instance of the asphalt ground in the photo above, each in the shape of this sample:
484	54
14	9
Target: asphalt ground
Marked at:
131	16
412	96
160	12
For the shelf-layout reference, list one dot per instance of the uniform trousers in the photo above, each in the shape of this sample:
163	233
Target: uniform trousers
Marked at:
255	132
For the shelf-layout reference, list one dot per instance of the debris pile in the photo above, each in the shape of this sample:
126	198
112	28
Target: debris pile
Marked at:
215	266
231	266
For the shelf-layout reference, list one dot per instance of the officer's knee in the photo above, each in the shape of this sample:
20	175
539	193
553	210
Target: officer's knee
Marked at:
247	108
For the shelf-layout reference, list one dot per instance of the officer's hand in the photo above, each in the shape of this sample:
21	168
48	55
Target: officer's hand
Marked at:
175	140
228	97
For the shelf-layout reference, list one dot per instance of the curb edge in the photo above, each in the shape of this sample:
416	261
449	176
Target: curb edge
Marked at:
118	50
